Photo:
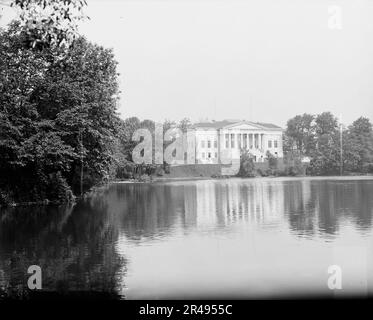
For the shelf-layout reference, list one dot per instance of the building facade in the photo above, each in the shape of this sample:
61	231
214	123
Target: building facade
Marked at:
219	141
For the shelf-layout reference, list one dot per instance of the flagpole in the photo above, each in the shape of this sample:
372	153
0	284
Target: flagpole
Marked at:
341	144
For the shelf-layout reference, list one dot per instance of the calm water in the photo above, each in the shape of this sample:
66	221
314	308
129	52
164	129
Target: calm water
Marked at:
230	238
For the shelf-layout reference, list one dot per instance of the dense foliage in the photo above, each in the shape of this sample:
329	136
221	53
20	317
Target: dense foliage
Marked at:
331	148
49	23
57	117
247	165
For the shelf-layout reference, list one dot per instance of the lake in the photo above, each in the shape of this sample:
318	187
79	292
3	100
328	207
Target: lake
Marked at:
229	238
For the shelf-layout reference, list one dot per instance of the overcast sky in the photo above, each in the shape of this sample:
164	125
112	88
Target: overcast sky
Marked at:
260	60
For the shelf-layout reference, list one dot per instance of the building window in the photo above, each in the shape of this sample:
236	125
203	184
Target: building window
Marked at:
215	144
209	144
232	140
209	155
203	155
275	144
269	143
202	143
227	140
239	140
216	154
245	140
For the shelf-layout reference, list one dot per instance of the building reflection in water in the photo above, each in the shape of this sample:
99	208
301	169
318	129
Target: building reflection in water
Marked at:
241	237
307	207
231	202
90	245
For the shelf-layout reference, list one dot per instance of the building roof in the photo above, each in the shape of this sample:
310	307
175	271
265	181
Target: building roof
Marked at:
224	123
214	124
268	125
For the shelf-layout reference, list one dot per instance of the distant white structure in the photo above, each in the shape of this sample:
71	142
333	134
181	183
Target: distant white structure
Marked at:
225	139
306	160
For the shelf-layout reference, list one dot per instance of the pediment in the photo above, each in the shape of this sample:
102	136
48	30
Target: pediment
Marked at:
243	126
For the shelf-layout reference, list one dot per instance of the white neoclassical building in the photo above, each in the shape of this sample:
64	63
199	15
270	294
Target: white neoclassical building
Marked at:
224	139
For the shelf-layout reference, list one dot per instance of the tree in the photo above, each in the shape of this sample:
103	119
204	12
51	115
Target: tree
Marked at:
57	116
247	166
185	124
325	124
272	161
326	159
168	124
360	143
320	139
300	131
80	94
48	23
127	129
27	142
293	164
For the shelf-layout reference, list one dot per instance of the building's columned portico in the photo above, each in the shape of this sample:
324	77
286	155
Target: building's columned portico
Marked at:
217	141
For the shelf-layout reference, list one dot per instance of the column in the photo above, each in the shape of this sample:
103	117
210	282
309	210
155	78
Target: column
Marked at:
260	140
221	140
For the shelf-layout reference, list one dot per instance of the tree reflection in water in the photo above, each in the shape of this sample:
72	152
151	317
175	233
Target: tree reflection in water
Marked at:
73	245
309	206
87	247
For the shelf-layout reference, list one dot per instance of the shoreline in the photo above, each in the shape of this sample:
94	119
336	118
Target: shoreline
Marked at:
158	179
98	188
